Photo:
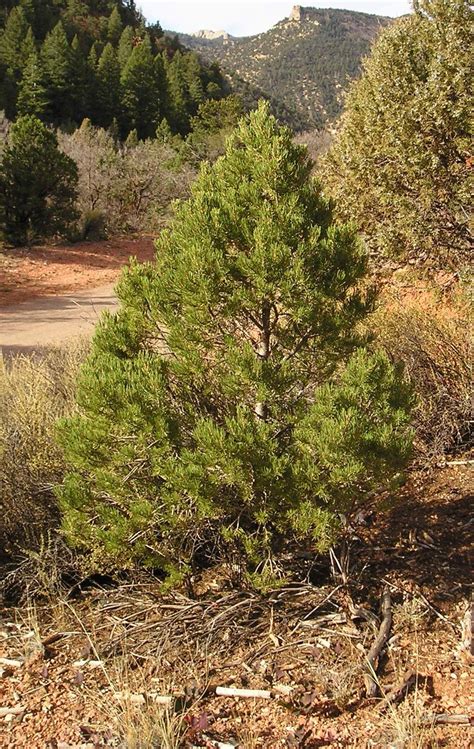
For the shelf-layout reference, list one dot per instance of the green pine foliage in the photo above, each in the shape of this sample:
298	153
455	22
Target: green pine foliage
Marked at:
33	93
139	82
232	399
401	163
114	27
37	184
99	61
13	39
83	93
108	87
125	46
57	59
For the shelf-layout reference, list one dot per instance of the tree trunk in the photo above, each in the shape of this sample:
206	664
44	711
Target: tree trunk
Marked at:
264	352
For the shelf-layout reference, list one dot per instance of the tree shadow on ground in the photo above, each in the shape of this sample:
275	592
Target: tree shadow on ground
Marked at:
107	253
424	544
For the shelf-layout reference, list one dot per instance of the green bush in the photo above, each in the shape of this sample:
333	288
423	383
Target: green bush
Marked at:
37	184
231	397
34	392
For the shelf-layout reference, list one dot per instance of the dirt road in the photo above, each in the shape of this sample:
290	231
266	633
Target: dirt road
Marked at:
46	321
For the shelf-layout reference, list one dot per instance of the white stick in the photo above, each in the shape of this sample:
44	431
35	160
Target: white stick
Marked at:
10	662
17	710
263	694
459	463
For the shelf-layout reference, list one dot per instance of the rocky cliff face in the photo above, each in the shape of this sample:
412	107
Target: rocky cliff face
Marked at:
296	13
211	35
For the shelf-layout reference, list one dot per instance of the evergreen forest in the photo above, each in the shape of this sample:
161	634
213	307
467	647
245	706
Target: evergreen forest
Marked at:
66	61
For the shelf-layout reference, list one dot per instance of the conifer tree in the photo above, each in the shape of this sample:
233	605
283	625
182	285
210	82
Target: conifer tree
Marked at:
37	184
15	46
58	67
114	27
12	41
140	90
177	94
231	396
108	87
82	92
125	46
132	140
400	164
194	82
33	96
28	47
8	92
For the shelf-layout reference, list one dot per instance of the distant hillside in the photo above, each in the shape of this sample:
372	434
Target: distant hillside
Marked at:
304	62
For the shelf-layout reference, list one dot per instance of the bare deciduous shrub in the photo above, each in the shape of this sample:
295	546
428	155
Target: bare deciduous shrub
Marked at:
131	187
145	186
435	343
95	153
34	392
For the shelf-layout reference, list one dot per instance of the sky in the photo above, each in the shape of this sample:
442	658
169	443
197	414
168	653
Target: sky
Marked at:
245	17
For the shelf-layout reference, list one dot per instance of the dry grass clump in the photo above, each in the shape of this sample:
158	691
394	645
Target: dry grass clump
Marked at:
35	391
407	725
434	340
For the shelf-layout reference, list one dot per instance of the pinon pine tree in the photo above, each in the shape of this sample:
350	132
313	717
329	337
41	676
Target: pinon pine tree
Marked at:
232	396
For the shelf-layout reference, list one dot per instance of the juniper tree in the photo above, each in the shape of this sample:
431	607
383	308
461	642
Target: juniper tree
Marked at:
37	184
400	165
232	395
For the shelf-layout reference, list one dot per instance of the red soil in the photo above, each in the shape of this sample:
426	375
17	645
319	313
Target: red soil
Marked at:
57	269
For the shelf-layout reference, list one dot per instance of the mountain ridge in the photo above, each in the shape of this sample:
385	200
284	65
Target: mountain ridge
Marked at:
304	62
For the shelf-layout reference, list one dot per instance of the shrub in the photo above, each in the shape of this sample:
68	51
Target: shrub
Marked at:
37	184
34	392
96	157
434	340
231	396
94	226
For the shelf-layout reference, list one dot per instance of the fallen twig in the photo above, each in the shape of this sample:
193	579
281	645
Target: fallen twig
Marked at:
457	463
11	663
140	698
449	719
277	690
400	691
379	643
321	620
424	599
48	641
